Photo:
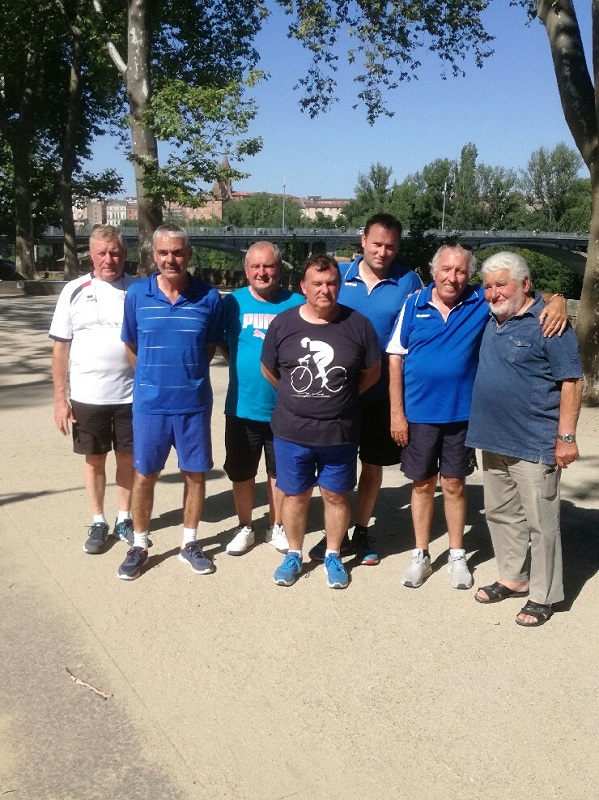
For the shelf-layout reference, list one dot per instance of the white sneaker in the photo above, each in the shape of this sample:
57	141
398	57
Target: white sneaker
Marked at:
418	570
275	535
457	566
242	541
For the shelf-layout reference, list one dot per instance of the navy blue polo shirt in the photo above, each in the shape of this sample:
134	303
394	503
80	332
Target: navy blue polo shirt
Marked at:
517	391
381	305
441	356
171	374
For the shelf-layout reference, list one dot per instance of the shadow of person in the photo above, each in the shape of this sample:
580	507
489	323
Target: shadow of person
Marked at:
580	547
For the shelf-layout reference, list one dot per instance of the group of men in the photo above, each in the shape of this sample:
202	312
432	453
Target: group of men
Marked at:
366	363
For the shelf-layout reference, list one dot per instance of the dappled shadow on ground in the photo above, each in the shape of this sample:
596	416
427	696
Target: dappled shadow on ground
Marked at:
580	545
25	351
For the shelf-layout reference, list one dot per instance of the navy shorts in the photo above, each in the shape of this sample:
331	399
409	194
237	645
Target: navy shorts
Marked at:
244	441
100	429
377	446
437	449
299	468
155	434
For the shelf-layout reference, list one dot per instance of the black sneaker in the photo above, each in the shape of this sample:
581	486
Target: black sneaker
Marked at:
364	546
96	540
124	531
318	552
130	569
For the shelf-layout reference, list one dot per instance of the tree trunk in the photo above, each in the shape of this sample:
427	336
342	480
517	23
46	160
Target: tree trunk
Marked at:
69	149
587	320
23	221
143	141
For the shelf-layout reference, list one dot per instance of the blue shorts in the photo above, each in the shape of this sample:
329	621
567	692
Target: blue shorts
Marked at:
299	468
155	434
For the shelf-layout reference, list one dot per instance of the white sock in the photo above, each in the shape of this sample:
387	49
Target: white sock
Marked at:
122	516
189	535
140	539
455	552
295	553
98	518
331	553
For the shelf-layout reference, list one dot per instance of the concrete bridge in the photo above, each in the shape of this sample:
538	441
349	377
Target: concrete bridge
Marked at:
567	248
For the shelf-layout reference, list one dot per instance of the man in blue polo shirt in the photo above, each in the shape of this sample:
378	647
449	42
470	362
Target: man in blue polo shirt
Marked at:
433	358
525	406
171	327
377	286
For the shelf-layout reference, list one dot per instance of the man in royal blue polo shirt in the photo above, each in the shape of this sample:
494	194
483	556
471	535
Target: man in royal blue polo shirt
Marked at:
433	358
376	285
171	327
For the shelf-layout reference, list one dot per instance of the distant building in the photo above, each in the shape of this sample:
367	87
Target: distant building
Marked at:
329	206
116	211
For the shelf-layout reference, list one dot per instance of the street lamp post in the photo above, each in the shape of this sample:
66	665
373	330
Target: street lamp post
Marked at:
443	215
283	223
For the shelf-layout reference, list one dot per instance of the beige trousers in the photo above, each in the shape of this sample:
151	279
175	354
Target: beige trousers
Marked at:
522	505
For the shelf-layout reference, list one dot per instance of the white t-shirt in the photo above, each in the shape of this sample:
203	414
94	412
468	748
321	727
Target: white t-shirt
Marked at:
89	314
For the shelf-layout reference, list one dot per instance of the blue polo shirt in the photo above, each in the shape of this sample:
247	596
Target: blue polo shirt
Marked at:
441	356
381	305
517	391
171	374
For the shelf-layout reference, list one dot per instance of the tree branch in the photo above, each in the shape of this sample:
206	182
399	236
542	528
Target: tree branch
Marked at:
113	52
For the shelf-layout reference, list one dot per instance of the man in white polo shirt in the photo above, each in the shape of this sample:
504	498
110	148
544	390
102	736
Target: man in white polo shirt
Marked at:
93	392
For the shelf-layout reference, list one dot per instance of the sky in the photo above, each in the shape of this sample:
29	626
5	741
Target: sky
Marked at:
509	108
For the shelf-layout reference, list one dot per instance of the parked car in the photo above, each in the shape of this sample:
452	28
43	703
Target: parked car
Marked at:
8	271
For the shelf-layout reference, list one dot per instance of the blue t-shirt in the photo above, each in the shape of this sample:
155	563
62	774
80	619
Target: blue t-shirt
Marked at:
249	394
171	374
441	356
381	305
517	391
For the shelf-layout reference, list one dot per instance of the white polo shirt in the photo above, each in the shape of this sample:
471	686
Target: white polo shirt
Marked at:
89	314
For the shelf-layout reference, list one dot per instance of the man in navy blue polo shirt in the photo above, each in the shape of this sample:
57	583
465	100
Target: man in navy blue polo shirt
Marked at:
432	364
525	406
171	327
377	286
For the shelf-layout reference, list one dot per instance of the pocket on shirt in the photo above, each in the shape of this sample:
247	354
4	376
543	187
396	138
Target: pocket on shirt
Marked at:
518	349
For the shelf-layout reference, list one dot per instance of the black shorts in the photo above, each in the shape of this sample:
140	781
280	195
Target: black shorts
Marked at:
377	446
244	441
99	429
438	449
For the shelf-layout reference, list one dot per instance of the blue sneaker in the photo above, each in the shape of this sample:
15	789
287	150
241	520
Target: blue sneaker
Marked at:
192	554
124	531
318	552
337	577
130	569
364	545
291	567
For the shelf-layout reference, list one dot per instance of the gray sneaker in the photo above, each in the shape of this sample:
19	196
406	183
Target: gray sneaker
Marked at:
418	570
96	539
457	566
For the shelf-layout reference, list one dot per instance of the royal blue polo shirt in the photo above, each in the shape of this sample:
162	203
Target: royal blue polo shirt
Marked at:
171	374
381	305
441	356
517	391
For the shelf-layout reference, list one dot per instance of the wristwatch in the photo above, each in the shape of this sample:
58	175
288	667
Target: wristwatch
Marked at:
568	438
